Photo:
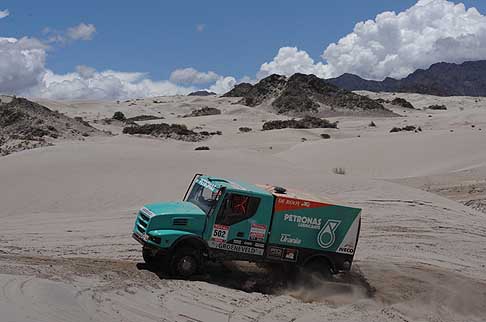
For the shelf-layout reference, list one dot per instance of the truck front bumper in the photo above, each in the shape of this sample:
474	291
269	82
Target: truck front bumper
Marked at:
139	238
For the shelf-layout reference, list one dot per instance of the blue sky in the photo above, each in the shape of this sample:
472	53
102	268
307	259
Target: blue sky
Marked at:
158	37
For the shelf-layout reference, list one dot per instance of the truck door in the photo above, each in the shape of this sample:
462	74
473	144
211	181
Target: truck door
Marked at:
241	225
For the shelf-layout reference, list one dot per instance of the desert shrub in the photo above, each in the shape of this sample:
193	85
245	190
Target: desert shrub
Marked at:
325	136
340	171
119	116
308	122
437	107
245	129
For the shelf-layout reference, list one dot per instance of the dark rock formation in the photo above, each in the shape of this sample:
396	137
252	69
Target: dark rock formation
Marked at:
441	79
408	128
164	130
201	93
437	107
245	129
308	122
25	124
402	102
302	94
204	112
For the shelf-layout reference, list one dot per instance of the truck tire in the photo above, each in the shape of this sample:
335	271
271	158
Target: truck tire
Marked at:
154	260
318	267
185	262
149	258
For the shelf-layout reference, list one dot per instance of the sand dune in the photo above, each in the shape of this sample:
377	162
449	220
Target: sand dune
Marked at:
67	212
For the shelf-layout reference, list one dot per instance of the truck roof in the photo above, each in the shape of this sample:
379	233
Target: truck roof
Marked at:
236	185
268	190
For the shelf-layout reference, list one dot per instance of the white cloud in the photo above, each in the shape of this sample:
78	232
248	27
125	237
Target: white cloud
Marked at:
4	13
200	27
223	85
192	76
87	83
23	72
290	60
81	32
395	44
21	63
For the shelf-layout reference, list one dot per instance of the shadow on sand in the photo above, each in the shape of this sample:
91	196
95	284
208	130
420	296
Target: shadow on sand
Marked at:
342	288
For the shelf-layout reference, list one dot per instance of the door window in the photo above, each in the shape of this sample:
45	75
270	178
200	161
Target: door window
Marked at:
237	208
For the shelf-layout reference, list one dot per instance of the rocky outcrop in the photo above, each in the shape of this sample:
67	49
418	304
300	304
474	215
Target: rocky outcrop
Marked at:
164	130
204	112
201	93
303	94
308	122
402	102
25	124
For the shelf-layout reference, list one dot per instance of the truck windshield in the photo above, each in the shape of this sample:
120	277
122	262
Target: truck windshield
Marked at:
203	195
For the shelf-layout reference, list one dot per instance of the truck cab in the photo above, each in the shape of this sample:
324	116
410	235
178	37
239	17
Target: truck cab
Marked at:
222	219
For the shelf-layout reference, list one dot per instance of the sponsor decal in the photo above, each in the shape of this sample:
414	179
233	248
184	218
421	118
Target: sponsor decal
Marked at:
348	249
147	212
286	204
287	238
236	248
257	232
327	236
275	252
220	233
284	254
290	254
206	184
304	221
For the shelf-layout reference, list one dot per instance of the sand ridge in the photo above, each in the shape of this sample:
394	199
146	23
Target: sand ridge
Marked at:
67	212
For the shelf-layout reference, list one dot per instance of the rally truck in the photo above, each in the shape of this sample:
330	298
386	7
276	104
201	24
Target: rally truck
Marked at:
221	219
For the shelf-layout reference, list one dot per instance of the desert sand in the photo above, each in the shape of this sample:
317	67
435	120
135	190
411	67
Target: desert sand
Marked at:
67	211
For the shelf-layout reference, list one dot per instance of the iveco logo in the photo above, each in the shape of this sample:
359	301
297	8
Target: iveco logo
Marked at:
327	236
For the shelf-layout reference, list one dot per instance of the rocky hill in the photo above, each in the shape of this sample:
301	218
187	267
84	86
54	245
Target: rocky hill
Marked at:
441	79
201	93
25	125
302	94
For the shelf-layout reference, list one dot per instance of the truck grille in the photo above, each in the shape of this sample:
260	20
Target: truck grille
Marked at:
142	222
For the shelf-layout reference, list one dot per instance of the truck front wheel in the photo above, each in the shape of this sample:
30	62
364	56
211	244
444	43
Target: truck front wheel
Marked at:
149	257
185	262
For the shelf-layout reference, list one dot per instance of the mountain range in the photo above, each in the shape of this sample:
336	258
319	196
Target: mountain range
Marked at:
441	79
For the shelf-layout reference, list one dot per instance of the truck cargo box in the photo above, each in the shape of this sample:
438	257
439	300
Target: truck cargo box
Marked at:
303	221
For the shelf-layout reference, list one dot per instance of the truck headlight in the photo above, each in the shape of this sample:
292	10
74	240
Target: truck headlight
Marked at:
156	240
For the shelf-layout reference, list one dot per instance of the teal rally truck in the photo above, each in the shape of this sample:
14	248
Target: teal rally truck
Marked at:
221	219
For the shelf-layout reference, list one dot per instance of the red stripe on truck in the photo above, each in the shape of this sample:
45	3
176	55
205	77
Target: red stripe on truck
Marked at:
286	204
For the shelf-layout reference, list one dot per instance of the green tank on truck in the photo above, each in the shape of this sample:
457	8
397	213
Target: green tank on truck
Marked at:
221	219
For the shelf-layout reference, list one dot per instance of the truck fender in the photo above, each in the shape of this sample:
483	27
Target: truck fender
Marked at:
320	257
190	241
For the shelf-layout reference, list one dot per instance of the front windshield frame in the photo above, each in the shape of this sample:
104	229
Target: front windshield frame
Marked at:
204	195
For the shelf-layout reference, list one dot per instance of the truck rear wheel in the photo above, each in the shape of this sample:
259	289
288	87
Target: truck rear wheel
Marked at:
185	262
318	267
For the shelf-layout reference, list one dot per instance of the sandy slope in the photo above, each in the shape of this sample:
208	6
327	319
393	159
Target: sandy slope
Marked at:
67	212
